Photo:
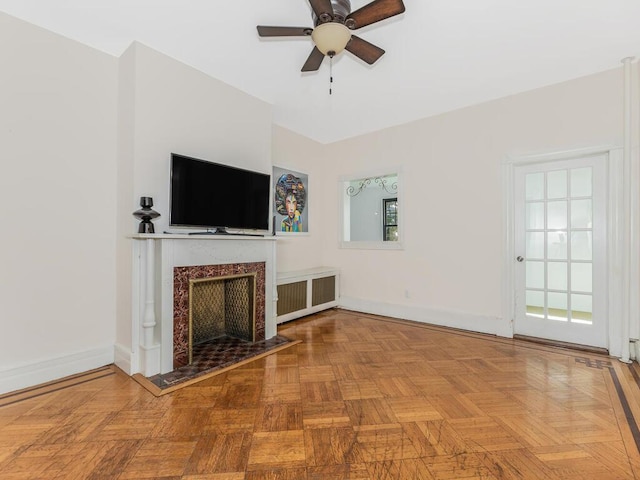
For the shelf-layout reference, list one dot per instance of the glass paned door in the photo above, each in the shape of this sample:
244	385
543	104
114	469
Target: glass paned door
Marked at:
560	233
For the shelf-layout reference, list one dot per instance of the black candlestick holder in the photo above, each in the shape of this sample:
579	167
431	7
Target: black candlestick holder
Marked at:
145	215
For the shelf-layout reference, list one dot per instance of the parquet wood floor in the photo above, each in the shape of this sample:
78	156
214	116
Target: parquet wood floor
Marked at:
361	398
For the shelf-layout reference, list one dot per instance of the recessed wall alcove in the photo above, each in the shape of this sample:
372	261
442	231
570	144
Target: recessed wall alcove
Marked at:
162	265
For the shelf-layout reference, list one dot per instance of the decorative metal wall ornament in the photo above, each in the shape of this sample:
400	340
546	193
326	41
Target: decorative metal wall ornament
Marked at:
383	182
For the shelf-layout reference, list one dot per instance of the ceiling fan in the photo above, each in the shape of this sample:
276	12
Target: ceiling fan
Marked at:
333	21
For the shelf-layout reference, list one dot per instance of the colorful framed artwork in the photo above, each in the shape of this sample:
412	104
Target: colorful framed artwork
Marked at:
290	202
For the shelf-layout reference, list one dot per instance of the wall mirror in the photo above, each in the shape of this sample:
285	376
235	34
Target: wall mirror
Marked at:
371	207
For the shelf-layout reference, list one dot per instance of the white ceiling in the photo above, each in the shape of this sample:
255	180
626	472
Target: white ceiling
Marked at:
440	54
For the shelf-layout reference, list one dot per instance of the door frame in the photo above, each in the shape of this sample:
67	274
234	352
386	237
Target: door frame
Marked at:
621	262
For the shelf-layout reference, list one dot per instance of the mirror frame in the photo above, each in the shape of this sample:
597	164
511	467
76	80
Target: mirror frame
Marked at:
342	193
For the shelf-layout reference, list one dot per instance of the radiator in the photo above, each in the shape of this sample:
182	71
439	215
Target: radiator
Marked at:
304	292
292	297
323	290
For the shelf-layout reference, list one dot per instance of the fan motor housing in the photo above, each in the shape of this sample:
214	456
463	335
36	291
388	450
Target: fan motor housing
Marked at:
341	9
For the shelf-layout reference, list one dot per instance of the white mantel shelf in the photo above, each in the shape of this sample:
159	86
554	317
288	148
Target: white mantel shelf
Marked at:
204	236
155	256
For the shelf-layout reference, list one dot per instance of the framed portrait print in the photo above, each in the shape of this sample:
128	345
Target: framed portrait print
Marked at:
290	202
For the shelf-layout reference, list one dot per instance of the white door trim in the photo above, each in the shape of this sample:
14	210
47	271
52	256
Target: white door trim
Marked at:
619	237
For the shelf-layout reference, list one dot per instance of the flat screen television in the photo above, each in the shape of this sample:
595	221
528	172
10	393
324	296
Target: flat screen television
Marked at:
214	196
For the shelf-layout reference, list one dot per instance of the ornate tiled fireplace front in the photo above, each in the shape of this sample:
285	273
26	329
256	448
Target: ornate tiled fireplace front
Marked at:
163	265
249	276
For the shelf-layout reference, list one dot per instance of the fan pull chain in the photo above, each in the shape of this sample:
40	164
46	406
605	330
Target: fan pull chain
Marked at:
330	74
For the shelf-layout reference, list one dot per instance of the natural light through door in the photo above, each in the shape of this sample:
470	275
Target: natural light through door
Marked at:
560	231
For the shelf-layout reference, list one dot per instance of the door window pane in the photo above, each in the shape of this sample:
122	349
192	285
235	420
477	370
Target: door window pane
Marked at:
557	245
581	308
557	215
535	216
557	275
581	182
535	274
581	214
534	186
581	277
557	184
535	245
581	248
558	305
535	303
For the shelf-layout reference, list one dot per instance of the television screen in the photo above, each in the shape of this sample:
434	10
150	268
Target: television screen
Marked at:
211	195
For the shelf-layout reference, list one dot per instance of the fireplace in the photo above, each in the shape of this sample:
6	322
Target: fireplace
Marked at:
215	301
163	266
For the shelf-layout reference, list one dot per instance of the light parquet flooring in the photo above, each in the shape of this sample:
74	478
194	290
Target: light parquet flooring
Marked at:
361	398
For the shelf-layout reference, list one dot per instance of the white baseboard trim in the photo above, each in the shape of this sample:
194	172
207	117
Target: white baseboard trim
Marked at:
443	318
54	368
123	358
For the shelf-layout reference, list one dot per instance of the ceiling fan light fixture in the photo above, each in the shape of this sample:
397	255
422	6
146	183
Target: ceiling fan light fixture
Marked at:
331	37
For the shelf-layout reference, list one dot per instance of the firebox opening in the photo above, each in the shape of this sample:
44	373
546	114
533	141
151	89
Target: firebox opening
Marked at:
222	306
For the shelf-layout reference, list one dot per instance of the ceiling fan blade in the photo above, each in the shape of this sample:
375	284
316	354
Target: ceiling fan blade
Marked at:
374	12
314	61
322	8
284	31
364	50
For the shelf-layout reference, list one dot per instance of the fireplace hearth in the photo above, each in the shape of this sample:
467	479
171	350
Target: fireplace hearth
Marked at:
214	357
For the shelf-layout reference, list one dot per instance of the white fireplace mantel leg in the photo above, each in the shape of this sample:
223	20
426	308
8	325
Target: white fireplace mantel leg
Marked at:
150	351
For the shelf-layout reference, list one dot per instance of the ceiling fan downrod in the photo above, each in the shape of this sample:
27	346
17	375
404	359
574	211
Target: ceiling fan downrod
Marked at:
341	9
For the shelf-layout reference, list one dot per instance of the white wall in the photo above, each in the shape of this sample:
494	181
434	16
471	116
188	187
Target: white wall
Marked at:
180	109
84	136
57	205
300	251
450	270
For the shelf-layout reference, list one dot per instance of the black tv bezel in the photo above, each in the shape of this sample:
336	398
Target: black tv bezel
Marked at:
220	229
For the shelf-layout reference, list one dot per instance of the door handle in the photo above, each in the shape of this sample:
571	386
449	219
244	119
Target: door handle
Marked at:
519	258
